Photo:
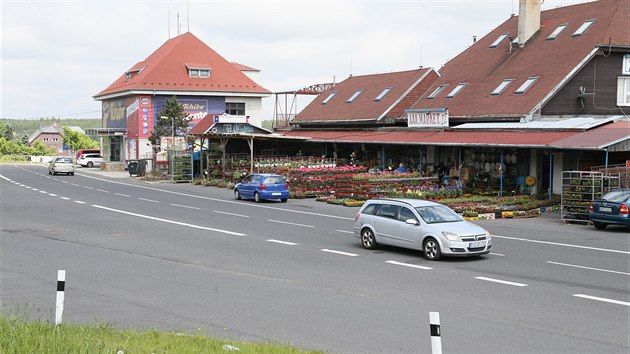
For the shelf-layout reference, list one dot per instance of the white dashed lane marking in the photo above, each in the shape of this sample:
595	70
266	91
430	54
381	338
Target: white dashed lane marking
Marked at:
501	281
149	200
341	253
282	242
408	265
603	299
185	206
232	214
123	195
289	223
589	268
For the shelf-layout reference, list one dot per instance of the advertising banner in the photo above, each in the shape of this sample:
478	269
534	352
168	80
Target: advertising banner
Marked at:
145	116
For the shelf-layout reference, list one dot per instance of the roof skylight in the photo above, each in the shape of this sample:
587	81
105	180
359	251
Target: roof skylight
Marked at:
332	94
437	91
354	96
382	94
456	90
583	28
557	31
498	40
526	85
502	86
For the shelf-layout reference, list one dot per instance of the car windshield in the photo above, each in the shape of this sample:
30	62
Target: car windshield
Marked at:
63	160
616	196
434	214
275	180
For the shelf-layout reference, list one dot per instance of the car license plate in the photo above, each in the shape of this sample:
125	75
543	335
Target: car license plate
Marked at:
605	209
477	244
276	193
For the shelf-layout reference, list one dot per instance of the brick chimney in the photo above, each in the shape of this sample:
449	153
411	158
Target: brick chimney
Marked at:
528	20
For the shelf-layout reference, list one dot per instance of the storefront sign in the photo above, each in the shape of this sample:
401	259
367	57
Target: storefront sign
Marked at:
427	118
231	128
226	118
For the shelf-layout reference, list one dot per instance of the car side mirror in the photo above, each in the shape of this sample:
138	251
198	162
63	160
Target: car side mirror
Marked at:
412	221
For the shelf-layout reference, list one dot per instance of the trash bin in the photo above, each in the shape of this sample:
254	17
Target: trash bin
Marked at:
135	167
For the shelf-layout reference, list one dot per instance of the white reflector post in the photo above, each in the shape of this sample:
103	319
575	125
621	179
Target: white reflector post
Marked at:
61	285
436	333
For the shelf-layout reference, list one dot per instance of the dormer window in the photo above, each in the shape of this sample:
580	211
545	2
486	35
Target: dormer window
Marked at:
557	31
354	96
498	40
382	94
437	91
502	86
456	90
131	73
526	85
583	28
202	71
332	94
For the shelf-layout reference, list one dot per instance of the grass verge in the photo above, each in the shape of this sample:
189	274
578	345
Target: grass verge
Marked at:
23	336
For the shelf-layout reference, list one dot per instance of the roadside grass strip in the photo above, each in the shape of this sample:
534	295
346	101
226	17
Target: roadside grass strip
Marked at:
602	299
501	281
408	265
341	253
169	221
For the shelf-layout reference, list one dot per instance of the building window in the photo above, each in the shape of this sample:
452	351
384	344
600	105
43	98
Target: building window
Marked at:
583	28
198	72
557	31
498	40
502	86
437	91
329	97
382	94
626	65
235	108
45	139
623	91
526	85
354	96
55	139
456	90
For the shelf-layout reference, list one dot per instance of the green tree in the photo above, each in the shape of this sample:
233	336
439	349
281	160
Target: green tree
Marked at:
176	124
77	140
6	131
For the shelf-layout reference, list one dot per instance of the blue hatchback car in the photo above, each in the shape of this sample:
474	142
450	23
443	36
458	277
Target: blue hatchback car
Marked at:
613	208
259	186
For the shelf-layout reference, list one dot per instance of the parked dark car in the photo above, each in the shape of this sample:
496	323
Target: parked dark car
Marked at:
613	208
259	186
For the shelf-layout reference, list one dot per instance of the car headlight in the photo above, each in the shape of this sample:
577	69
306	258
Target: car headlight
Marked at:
451	236
487	234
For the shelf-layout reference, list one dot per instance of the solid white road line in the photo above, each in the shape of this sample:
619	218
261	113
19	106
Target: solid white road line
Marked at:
283	242
501	281
339	252
185	206
79	202
149	200
289	223
603	299
232	214
345	232
169	221
408	265
561	244
590	268
123	195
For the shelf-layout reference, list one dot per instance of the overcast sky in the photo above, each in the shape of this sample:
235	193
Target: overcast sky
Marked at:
57	54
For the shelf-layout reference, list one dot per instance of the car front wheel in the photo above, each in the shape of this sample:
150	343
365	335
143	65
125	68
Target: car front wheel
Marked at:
237	194
367	239
431	249
257	197
599	225
90	164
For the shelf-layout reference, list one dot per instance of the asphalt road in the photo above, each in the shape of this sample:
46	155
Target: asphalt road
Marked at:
191	258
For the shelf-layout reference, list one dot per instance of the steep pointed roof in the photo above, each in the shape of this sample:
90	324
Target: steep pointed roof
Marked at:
166	69
482	67
403	88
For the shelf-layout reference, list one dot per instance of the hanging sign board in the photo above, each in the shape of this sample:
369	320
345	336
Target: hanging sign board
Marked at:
427	118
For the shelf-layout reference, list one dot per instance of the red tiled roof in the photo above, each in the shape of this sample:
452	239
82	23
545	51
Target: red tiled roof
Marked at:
596	138
165	69
364	107
242	67
204	124
483	68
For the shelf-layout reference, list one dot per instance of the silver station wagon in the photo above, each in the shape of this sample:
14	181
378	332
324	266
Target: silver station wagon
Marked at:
419	224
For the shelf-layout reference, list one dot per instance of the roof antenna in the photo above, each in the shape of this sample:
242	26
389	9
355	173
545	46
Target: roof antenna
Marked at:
168	18
179	25
187	16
